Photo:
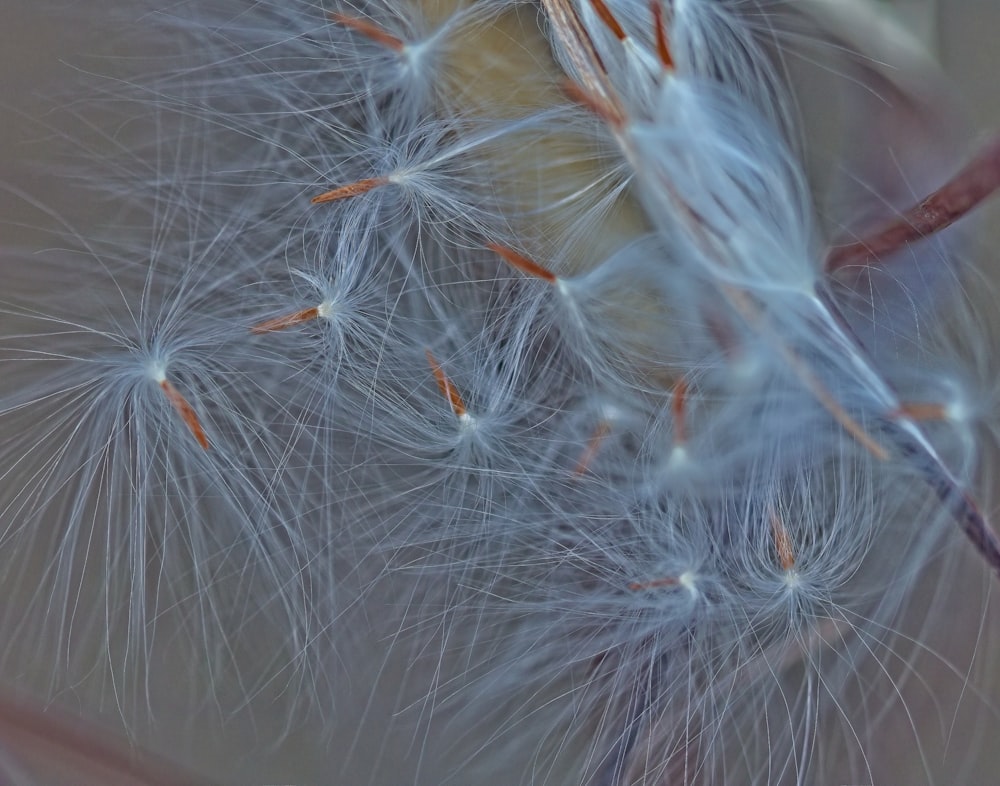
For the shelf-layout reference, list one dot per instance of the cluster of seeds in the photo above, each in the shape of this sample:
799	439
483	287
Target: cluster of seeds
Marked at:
516	326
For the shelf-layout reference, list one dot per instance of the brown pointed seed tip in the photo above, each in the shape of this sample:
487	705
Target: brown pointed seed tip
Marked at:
350	190
668	581
600	106
662	42
920	411
605	15
678	409
593	445
370	30
186	411
523	264
285	321
782	543
448	390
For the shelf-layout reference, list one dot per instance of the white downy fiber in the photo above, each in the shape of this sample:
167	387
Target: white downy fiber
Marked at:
461	391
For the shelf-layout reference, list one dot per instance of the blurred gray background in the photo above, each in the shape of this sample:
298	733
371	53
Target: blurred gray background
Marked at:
39	50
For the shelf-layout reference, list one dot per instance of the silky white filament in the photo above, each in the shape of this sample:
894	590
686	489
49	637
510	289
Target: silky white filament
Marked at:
517	363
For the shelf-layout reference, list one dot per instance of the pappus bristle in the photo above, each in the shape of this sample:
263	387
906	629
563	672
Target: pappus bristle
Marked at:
494	359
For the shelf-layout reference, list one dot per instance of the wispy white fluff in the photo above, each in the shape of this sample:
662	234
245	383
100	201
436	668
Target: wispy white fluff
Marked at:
636	518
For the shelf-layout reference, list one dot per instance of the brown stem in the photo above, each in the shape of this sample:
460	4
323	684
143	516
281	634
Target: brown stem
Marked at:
978	180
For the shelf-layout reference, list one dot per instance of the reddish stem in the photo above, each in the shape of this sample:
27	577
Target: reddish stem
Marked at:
978	180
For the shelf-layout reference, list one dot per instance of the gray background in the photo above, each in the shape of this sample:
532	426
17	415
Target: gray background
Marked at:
37	50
